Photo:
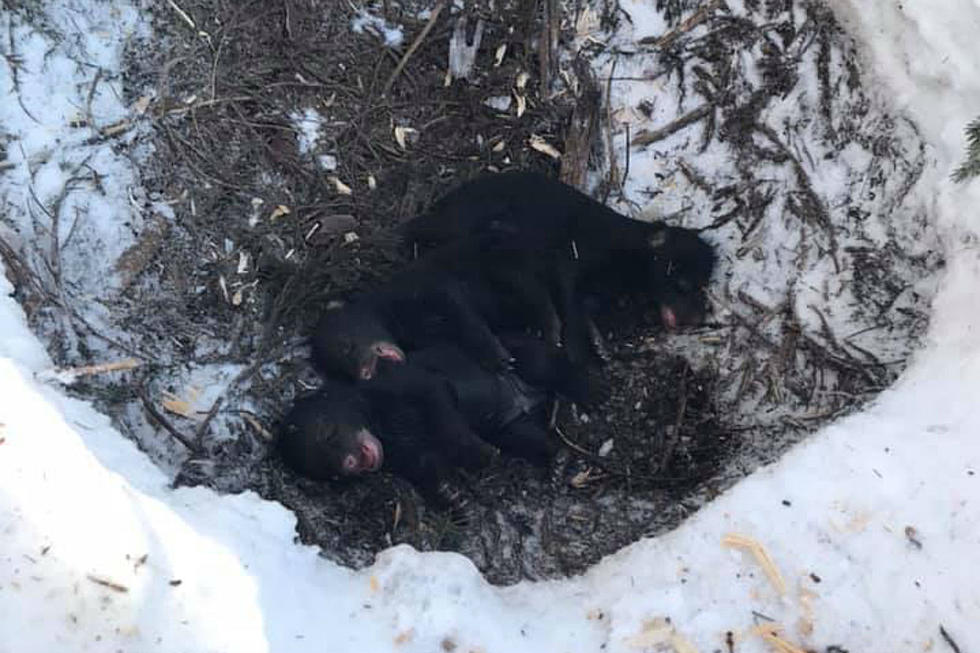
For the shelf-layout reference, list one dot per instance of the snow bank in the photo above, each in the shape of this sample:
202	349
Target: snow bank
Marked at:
872	524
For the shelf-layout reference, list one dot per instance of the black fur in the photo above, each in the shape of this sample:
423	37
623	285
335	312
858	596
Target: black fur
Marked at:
449	296
575	246
413	409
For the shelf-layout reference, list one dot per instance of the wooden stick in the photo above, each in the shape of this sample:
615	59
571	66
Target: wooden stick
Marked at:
101	368
165	423
203	427
414	46
104	582
645	136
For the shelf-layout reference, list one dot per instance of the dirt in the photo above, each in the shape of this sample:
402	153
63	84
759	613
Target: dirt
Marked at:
676	431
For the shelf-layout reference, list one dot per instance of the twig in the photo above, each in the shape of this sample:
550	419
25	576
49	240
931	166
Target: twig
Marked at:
57	297
101	368
671	445
613	166
626	171
692	21
165	423
14	60
743	321
183	14
574	447
91	95
694	176
110	131
107	583
553	419
845	355
254	422
949	640
214	65
202	427
813	202
414	46
772	637
646	137
54	261
17	266
667	481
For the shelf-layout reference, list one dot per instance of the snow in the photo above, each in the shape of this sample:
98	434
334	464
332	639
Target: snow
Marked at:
309	134
393	35
828	184
499	103
308	125
881	507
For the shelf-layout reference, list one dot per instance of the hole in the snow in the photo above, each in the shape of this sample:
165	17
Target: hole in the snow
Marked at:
280	168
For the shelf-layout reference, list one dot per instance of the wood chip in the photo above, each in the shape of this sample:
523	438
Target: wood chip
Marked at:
340	186
584	477
587	23
541	145
521	105
115	129
183	14
138	256
177	407
140	106
255	424
659	634
224	287
405	636
402	134
761	556
770	633
606	448
330	226
174	404
279	212
522	78
397	517
498	56
681	645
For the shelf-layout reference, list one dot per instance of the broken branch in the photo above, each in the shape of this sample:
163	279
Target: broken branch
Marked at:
646	137
414	46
